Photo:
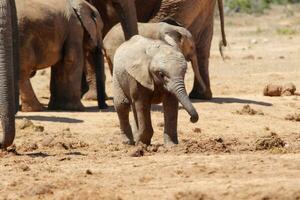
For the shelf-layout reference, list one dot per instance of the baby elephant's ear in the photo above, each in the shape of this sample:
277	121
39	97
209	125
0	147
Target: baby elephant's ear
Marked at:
139	70
173	38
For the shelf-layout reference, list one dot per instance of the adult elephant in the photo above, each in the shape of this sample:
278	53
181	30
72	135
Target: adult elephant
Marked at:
56	33
112	12
8	70
195	15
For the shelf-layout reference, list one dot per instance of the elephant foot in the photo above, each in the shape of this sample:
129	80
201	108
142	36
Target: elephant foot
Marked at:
91	95
66	106
170	141
102	106
127	141
195	94
32	108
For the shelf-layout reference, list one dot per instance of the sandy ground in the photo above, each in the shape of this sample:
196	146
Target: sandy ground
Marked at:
230	153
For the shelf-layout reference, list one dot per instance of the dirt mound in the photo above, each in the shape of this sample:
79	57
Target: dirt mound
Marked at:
64	140
247	110
188	146
26	124
217	145
269	142
144	150
293	117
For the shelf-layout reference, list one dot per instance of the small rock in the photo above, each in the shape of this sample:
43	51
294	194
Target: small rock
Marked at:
24	168
197	130
47	141
39	128
253	41
249	57
89	172
25	123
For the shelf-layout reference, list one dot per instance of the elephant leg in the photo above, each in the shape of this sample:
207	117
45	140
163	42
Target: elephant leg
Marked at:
170	104
90	74
122	106
145	131
30	103
123	114
66	78
203	52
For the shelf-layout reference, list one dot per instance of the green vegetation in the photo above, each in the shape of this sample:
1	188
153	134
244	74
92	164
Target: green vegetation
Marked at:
254	6
286	31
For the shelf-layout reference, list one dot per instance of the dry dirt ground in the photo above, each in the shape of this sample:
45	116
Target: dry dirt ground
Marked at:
235	151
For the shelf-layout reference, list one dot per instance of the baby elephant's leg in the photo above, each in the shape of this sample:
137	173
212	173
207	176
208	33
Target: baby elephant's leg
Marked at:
170	104
142	115
122	107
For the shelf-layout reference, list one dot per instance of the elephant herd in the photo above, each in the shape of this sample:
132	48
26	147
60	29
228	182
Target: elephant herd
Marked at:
73	36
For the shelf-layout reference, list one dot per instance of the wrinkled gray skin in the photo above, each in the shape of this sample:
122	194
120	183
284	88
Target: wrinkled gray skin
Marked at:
8	66
112	12
195	15
147	72
56	33
175	36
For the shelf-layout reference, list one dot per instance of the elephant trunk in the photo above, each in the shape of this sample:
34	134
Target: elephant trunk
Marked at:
179	91
7	92
128	17
100	77
196	70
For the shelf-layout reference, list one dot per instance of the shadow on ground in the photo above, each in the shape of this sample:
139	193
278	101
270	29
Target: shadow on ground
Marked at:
51	119
224	100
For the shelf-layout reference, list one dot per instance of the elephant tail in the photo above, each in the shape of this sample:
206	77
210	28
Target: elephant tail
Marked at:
223	42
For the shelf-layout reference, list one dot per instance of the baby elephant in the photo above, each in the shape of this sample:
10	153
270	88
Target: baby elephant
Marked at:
148	72
175	36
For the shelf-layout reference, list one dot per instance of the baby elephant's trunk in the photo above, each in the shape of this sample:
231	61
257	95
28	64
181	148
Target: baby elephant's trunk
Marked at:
179	91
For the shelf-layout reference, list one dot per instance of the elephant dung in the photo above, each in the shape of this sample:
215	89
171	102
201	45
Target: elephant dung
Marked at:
278	90
288	89
272	90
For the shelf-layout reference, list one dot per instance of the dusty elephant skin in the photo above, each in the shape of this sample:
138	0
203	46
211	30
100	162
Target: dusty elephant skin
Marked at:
112	11
160	31
56	33
147	72
8	66
197	17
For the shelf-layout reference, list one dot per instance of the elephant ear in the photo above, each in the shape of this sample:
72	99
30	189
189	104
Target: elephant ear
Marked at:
173	38
86	16
139	70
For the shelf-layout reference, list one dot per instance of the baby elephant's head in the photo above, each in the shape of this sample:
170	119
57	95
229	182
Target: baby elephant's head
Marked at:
181	38
168	68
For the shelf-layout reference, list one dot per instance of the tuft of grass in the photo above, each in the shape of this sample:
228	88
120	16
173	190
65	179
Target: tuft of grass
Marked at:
286	31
